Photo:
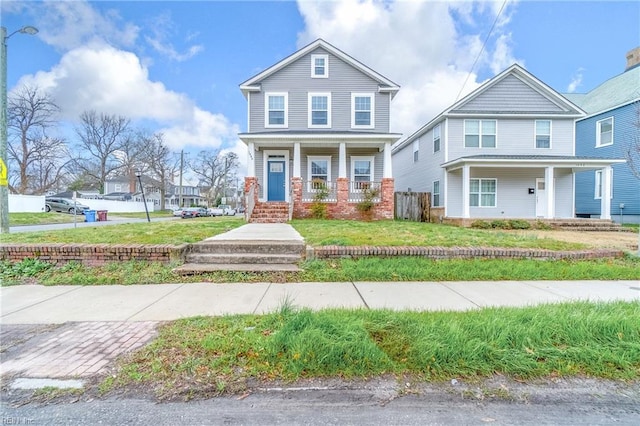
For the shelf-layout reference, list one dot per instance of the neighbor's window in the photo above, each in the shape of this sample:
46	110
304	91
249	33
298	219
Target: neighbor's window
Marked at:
319	110
319	66
435	194
604	132
598	188
436	138
543	133
319	171
362	110
276	110
482	192
416	150
361	171
480	133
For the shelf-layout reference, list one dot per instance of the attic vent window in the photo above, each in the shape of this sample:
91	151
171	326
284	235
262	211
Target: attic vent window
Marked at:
319	66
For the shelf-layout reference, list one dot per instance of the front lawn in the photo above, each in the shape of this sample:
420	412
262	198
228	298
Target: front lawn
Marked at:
21	219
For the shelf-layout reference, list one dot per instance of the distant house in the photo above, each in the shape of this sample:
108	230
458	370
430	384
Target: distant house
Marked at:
318	121
504	151
121	188
608	130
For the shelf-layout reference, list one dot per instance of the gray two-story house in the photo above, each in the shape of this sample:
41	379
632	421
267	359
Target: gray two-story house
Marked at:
318	119
506	150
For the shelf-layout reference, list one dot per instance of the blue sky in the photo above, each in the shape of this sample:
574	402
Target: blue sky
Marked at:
175	67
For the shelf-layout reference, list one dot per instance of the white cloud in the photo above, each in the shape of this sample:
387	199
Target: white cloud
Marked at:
576	81
417	44
163	29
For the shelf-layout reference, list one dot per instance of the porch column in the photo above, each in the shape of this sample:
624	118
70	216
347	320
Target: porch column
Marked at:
342	160
605	199
296	160
465	191
550	190
387	161
251	159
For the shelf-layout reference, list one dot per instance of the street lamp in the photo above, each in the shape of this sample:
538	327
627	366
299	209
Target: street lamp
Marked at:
138	175
4	170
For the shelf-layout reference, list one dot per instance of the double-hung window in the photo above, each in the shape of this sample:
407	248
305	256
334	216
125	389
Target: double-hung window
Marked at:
604	132
480	133
543	133
436	138
320	110
416	150
361	172
362	110
319	66
276	110
319	171
435	194
482	192
599	181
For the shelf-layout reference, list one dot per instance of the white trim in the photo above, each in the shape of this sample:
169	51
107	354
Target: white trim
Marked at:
495	198
446	140
296	160
334	136
433	193
598	188
249	113
433	136
446	184
535	134
372	111
577	163
265	169
466	175
326	66
387	166
266	110
369	158
342	160
607	193
609	109
480	134
599	133
311	158
550	191
311	95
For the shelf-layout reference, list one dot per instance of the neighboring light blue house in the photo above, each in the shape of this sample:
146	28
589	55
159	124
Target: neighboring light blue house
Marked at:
608	130
507	150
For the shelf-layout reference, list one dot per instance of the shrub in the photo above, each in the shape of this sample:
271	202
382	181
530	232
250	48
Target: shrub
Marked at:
519	224
543	225
500	224
481	224
318	207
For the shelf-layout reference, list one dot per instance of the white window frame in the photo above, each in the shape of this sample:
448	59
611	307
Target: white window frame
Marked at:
372	114
535	134
480	134
117	187
319	126
598	185
267	95
310	159
416	150
599	132
355	158
435	194
313	66
437	130
480	193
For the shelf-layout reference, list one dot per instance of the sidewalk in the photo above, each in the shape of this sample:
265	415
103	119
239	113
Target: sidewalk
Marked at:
35	304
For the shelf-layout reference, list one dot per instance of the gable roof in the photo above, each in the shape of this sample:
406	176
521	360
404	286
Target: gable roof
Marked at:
516	73
385	84
613	93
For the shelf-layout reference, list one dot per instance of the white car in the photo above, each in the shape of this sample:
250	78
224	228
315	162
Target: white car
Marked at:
222	210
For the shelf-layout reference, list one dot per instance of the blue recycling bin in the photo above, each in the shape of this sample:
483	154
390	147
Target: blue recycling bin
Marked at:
89	215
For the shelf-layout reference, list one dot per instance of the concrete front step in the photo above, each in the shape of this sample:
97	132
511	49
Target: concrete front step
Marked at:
253	247
211	258
197	268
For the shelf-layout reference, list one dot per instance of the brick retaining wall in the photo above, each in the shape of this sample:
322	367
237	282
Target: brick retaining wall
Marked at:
92	254
328	252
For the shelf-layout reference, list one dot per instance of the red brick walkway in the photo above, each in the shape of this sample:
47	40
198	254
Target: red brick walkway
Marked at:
74	349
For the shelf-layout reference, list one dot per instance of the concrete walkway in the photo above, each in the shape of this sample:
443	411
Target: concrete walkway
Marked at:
259	232
35	304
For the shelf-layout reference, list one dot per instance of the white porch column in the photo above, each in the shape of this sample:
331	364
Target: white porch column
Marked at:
342	160
387	173
465	191
251	159
296	159
605	200
550	191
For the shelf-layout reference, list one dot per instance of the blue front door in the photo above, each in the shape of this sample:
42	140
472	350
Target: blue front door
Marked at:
275	181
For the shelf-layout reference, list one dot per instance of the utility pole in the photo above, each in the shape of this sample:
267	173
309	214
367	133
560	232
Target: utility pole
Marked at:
181	168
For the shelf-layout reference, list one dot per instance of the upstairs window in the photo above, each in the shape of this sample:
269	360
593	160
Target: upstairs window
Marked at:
480	133
604	132
416	150
320	110
436	138
276	110
543	133
362	110
319	66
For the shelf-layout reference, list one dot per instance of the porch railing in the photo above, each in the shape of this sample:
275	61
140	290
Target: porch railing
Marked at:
358	191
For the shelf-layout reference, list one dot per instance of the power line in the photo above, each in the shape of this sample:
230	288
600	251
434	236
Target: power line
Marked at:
495	21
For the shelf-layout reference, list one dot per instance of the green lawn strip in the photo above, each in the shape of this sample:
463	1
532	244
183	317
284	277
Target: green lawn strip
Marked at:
404	233
338	270
217	354
142	215
175	232
21	219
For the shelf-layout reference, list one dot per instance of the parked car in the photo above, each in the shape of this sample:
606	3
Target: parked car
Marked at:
194	212
222	210
178	212
64	205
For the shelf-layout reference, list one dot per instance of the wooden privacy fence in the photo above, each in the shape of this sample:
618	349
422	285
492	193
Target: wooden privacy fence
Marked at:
414	206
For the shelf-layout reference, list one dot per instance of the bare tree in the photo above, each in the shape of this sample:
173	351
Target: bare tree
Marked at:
40	159
101	137
633	150
162	163
215	171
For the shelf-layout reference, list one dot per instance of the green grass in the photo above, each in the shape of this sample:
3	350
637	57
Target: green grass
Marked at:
20	219
404	233
219	354
165	232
